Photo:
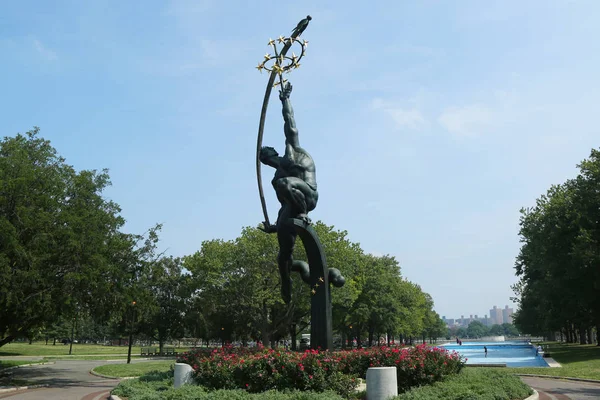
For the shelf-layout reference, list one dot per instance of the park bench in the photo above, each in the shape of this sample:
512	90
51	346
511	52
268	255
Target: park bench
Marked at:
169	351
149	351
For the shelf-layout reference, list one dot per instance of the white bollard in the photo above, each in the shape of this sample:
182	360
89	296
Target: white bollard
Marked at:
183	374
382	383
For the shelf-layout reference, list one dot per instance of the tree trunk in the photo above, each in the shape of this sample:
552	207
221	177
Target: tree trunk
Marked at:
293	335
589	335
370	337
344	340
54	343
161	343
358	340
6	340
265	325
46	340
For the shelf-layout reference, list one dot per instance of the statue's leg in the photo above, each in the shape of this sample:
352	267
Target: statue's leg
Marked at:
298	194
286	236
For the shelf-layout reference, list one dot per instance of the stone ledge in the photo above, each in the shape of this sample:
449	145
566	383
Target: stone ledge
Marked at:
19	388
27	365
534	396
566	378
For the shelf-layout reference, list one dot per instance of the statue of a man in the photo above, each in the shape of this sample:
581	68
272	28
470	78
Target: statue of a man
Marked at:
295	184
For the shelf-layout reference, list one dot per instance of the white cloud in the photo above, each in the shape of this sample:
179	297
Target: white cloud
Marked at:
469	120
403	117
44	51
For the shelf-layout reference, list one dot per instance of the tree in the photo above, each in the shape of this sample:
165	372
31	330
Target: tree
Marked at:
559	255
496	330
476	330
61	240
162	302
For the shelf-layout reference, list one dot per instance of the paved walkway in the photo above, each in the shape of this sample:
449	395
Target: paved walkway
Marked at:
68	380
559	389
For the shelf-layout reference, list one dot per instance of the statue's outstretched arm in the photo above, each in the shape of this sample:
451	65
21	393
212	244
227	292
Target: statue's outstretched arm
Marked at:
269	156
289	128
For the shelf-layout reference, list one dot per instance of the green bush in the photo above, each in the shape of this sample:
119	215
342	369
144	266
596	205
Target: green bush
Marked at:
472	384
159	386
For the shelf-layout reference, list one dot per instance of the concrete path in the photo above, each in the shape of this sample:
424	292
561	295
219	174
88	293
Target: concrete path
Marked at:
560	389
68	380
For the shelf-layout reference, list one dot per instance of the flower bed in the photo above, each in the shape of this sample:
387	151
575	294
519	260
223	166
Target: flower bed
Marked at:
258	370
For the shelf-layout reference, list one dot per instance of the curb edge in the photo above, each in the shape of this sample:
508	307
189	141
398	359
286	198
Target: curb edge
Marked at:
19	388
567	378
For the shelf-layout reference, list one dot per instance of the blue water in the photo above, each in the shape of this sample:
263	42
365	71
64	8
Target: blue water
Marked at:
513	354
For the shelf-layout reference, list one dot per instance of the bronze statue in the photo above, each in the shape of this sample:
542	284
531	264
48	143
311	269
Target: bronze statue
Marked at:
296	187
295	184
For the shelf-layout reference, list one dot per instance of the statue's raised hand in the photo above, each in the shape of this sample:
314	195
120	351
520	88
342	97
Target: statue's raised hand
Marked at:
285	91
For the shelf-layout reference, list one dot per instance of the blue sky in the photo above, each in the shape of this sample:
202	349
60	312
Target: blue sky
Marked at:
431	122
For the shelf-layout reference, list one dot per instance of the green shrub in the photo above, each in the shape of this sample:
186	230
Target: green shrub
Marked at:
159	386
416	366
472	384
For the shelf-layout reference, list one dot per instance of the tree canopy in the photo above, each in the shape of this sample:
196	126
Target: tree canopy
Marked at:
65	260
559	257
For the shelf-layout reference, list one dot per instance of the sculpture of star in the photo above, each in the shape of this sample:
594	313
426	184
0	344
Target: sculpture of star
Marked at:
271	42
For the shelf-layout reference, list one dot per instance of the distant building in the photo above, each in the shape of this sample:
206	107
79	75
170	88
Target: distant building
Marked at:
507	315
496	316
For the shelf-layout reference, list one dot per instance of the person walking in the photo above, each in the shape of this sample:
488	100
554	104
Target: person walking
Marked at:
485	350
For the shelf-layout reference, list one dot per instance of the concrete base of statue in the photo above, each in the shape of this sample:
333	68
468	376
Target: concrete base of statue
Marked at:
183	374
382	383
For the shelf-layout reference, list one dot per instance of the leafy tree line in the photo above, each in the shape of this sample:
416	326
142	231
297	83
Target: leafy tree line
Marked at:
235	292
63	254
476	329
559	260
67	267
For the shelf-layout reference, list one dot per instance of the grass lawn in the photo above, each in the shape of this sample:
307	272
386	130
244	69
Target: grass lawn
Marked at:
41	349
137	369
578	361
13	363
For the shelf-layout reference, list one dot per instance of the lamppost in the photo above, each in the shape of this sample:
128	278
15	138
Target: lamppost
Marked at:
132	317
